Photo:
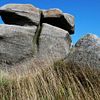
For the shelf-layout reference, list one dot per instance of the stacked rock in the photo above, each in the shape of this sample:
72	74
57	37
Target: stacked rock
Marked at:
30	32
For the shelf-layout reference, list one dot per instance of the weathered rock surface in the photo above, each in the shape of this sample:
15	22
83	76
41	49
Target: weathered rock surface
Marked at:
53	43
70	20
33	33
16	43
52	13
86	52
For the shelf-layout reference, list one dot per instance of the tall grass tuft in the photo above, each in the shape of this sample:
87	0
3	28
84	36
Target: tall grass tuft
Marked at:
58	82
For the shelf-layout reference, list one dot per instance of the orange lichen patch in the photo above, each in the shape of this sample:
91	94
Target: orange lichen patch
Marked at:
34	9
31	8
52	12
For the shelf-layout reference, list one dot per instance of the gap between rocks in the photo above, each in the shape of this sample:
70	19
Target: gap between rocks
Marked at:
37	34
59	22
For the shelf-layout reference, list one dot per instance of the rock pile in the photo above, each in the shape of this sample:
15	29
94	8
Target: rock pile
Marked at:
32	32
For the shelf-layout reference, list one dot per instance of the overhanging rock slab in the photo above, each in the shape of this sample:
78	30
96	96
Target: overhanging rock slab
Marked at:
22	10
59	19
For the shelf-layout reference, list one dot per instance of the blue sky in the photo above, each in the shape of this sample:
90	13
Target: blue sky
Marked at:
86	12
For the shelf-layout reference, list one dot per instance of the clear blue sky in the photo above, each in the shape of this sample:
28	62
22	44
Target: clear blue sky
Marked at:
86	12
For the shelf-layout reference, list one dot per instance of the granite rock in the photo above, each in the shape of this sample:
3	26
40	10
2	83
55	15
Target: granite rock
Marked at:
86	52
16	43
54	43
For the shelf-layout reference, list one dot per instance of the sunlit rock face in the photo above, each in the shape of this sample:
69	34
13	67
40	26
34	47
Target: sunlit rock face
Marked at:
86	52
16	43
30	32
54	42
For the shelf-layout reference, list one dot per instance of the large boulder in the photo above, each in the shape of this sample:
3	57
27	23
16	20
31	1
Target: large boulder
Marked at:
16	43
54	43
86	52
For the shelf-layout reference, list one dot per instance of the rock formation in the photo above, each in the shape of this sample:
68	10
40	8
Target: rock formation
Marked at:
30	32
86	52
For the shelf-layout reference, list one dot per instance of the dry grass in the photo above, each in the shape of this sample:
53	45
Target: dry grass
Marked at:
59	82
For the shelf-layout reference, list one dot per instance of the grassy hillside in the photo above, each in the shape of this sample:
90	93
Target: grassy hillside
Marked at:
58	82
